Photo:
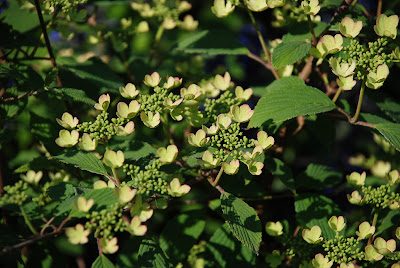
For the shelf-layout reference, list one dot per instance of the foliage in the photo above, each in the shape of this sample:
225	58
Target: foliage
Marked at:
254	133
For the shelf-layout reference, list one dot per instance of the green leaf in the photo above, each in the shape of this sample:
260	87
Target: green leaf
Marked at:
73	94
216	42
391	132
180	234
313	209
280	170
37	164
94	70
223	244
151	255
242	220
83	160
317	177
390	220
388	105
50	77
286	99
289	53
133	148
46	131
102	262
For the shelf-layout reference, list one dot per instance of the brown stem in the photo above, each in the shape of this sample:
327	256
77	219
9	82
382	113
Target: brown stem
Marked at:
27	94
379	8
46	40
46	225
305	73
259	60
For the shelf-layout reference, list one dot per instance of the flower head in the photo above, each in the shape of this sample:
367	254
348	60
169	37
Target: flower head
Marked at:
313	235
222	9
349	28
82	204
114	159
129	91
77	235
231	168
336	223
109	246
124	194
356	179
104	102
387	26
167	155
67	139
32	177
274	228
152	80
68	121
150	119
175	188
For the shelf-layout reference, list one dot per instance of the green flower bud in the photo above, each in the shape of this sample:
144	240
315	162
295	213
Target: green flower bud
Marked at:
142	27
349	28
241	113
198	140
114	159
129	91
169	23
152	80
109	246
243	95
104	102
311	8
184	6
126	23
354	198
175	188
77	235
384	247
232	168
125	111
376	80
387	26
222	82
344	69
124	194
356	179
169	154
136	228
172	82
67	139
222	9
223	121
255	168
274	228
208	161
189	24
346	83
257	5
191	93
313	235
150	120
371	254
88	144
32	176
321	261
336	223
127	130
68	121
82	204
263	140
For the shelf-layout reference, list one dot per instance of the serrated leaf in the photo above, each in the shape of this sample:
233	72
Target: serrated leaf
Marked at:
151	255
300	31
289	53
83	160
46	131
38	163
391	132
317	177
313	209
388	105
102	262
212	43
191	39
50	77
133	149
242	220
223	244
180	234
285	100
73	94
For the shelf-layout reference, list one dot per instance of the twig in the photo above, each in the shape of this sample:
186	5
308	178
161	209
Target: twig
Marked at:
379	8
259	60
28	221
27	94
215	183
31	241
360	99
46	225
305	73
114	171
263	45
310	24
337	94
46	40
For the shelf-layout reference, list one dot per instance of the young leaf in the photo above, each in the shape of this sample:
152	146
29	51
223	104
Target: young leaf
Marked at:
73	94
289	53
102	262
242	220
83	160
180	234
151	255
285	100
391	132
